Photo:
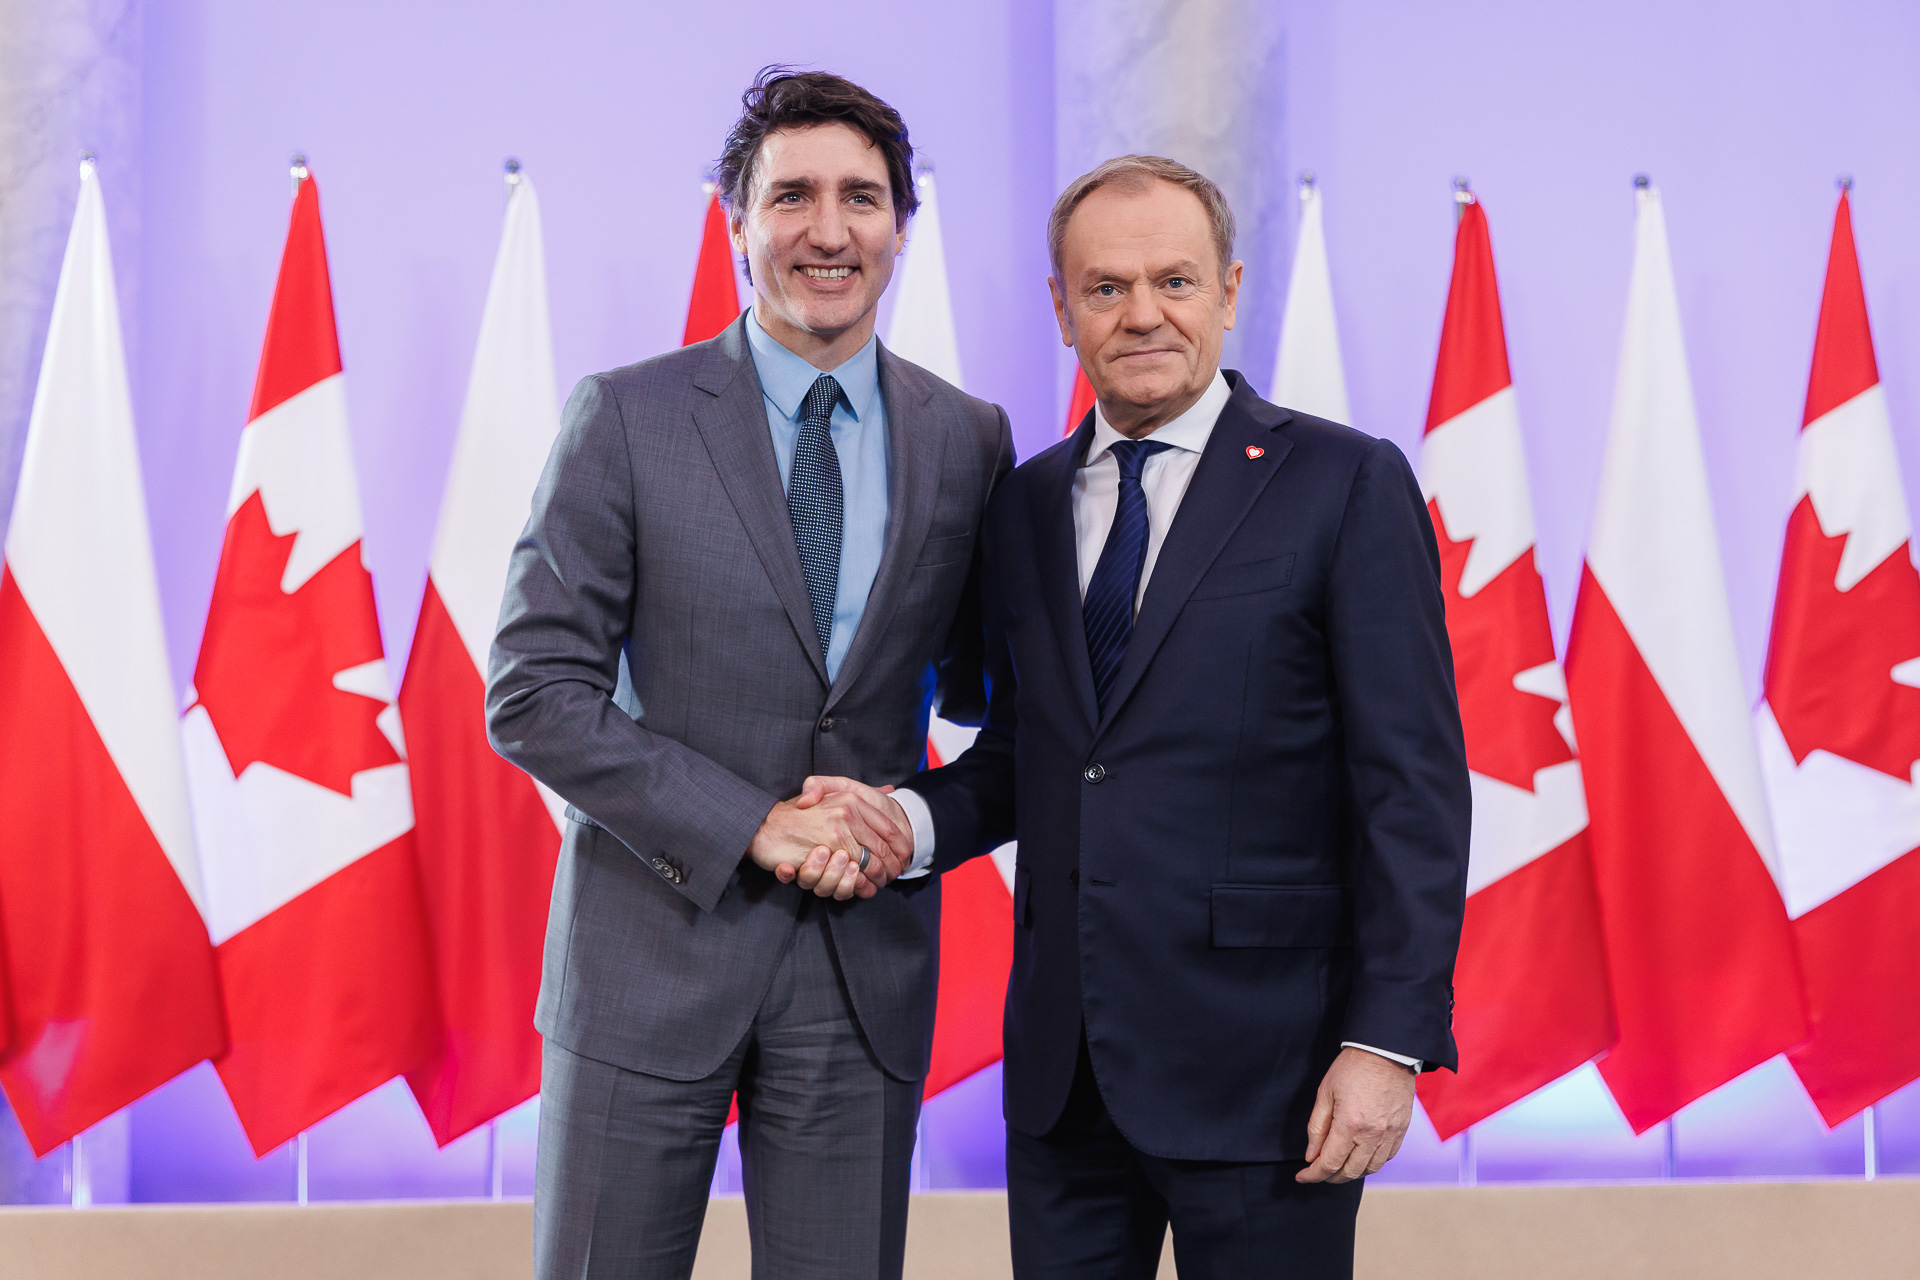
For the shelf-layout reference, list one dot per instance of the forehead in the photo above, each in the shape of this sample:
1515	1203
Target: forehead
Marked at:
819	153
1122	227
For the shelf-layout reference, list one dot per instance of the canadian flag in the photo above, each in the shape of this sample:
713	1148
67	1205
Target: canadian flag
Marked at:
1307	372
113	983
488	835
1531	982
1079	402
1839	729
976	900
1699	953
293	750
715	301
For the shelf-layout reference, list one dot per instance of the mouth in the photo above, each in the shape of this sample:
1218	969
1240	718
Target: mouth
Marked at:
826	275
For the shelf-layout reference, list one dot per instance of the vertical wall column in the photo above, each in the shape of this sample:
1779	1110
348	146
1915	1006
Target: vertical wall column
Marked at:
1203	82
69	81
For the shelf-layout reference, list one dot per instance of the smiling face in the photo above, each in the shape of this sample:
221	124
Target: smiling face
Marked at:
1143	301
818	233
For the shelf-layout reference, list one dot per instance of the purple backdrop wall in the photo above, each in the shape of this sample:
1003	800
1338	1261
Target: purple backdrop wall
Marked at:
1742	113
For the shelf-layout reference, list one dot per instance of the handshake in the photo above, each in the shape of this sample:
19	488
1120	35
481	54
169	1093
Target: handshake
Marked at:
838	839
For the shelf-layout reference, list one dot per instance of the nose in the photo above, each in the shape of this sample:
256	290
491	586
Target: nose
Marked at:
1141	314
827	230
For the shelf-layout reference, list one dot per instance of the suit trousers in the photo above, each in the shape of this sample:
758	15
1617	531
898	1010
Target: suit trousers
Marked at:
1083	1203
626	1159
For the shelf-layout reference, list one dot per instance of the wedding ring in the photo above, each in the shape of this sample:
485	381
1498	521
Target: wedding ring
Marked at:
865	854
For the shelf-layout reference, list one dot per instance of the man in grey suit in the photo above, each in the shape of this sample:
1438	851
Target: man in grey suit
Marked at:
749	560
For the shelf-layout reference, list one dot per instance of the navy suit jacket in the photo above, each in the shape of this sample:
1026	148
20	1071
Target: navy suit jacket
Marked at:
1259	850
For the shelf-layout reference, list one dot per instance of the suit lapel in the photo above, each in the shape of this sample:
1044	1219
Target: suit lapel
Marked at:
917	445
1057	549
1222	492
733	424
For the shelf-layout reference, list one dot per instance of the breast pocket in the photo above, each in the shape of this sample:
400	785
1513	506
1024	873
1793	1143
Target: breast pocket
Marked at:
1244	577
952	549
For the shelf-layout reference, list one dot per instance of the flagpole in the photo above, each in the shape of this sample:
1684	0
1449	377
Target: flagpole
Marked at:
1462	197
1469	1159
1671	1157
297	167
1870	1144
496	1163
300	1168
79	1177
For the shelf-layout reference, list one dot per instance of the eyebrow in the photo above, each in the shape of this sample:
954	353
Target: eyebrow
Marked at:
1189	268
808	186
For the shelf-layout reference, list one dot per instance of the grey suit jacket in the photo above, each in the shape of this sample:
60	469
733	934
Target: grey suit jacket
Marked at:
656	665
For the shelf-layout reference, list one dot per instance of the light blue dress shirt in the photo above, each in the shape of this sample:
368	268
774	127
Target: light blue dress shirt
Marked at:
859	430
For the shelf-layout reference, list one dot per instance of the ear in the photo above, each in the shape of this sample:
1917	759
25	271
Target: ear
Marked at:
900	239
737	233
1230	290
1060	312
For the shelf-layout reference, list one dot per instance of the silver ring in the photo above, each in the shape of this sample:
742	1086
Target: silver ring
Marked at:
865	854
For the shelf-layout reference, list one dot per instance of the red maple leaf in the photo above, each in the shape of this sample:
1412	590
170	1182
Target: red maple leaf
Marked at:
1830	660
268	659
1498	632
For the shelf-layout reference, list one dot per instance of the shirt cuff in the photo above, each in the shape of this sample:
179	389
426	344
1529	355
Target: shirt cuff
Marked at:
1400	1058
920	818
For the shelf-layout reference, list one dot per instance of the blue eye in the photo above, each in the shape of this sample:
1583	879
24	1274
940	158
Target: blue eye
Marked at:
1177	282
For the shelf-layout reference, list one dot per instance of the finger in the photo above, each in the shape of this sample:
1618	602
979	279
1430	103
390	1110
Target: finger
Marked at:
785	873
808	873
836	869
849	881
1333	1155
886	790
1358	1161
1318	1122
879	823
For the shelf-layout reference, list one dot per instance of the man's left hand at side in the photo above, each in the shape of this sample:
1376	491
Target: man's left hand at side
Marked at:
825	870
1359	1119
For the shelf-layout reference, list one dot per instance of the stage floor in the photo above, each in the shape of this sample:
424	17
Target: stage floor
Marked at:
1701	1231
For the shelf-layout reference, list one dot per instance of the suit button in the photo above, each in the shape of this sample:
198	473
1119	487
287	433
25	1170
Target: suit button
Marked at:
1073	877
826	724
1095	773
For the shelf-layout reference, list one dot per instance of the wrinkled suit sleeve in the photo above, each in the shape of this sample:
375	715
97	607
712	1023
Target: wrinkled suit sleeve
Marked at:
564	619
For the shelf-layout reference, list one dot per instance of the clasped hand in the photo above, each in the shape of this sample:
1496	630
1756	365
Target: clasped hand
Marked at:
814	840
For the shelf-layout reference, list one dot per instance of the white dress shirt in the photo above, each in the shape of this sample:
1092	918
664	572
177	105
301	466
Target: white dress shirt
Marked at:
1164	478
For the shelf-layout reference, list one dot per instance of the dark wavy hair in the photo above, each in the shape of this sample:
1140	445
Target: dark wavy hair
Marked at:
782	98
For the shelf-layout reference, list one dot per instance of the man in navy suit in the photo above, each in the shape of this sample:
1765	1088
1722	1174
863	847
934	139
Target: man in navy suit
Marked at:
1223	729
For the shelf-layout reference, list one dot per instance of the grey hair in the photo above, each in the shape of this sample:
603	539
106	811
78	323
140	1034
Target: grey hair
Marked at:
1133	174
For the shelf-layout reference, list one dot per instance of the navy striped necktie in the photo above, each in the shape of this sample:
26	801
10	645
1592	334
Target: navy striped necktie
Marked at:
1107	612
816	503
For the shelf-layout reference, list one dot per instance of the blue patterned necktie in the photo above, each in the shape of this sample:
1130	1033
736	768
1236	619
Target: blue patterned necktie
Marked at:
1107	612
816	503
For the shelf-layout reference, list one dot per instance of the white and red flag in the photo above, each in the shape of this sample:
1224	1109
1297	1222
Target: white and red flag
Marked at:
488	835
1531	981
112	979
715	300
1307	372
1699	953
1839	729
976	900
293	750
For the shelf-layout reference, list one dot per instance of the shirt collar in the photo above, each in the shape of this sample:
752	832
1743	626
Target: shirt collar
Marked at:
786	377
1190	431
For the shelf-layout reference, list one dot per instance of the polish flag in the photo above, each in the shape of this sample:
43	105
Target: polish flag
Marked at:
715	302
1699	953
1307	373
293	750
1839	730
1531	982
1080	403
488	835
976	900
113	984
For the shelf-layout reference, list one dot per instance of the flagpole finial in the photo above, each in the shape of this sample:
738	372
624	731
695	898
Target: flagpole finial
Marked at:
1306	182
1641	182
1844	182
297	164
87	159
513	172
1462	190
